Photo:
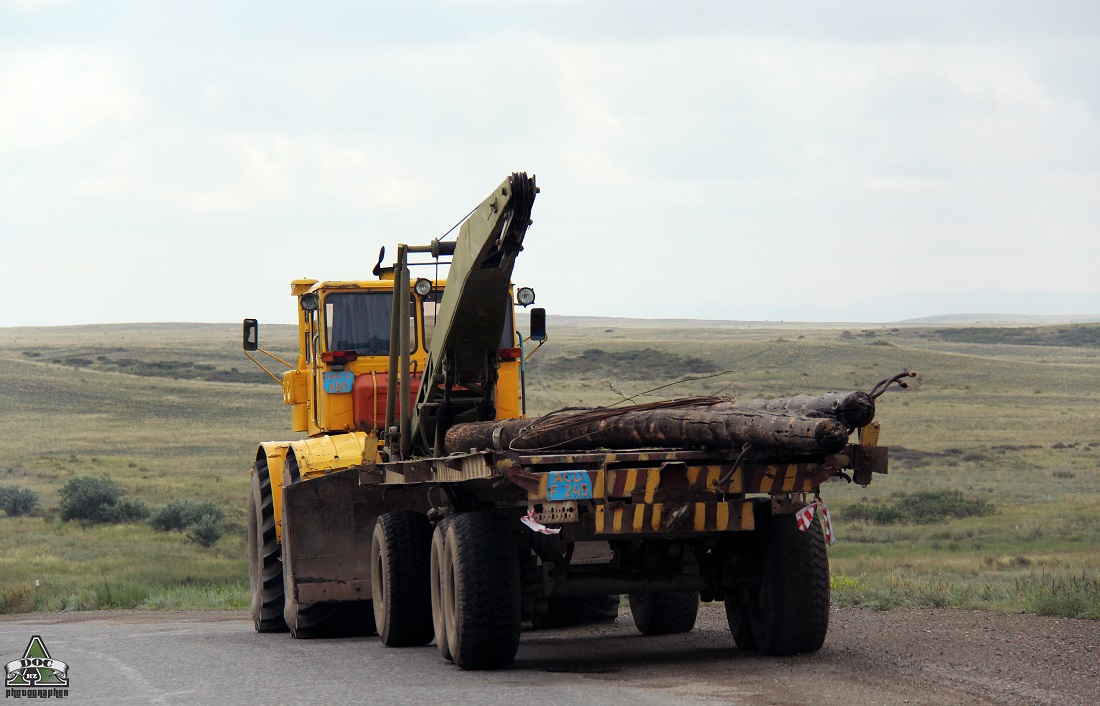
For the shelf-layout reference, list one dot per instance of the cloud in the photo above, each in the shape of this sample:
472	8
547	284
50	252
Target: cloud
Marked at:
58	96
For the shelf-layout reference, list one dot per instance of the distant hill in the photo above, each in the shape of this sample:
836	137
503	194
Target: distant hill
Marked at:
1005	319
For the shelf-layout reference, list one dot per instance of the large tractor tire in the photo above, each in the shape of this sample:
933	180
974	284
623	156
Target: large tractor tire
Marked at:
265	568
664	613
785	609
400	579
481	591
439	564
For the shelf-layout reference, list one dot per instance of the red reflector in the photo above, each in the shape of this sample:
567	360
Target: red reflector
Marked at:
510	353
339	356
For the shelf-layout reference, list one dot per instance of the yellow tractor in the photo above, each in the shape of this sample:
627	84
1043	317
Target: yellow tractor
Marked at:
364	353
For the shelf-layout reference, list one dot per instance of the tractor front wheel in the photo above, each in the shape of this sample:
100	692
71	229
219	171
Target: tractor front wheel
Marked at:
265	568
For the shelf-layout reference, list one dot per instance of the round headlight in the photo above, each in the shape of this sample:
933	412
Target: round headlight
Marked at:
525	296
310	301
423	287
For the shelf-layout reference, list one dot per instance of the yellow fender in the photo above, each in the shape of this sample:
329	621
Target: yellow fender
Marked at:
275	454
293	461
325	454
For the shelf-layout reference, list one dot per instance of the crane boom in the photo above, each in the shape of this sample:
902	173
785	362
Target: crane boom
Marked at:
461	371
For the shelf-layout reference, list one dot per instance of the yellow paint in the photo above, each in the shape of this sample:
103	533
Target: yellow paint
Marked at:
275	451
736	482
700	516
617	519
601	519
299	287
788	481
722	516
658	512
868	435
333	452
508	398
651	482
768	479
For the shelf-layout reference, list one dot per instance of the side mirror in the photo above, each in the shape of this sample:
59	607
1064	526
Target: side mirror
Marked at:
251	334
538	324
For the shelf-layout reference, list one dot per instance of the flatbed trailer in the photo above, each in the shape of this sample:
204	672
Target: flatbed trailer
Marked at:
666	527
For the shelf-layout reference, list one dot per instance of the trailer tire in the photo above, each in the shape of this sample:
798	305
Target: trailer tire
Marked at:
438	565
788	602
400	578
737	617
481	591
265	568
667	613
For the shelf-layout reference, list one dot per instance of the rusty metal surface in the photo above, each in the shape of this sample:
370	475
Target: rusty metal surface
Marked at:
327	527
449	469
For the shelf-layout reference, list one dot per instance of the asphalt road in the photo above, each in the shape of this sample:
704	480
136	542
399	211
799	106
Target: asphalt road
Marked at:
130	657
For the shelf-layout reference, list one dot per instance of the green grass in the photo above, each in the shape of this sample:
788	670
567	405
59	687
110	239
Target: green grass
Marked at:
1005	419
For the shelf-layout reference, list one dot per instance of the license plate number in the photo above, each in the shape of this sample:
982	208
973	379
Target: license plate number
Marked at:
338	382
568	485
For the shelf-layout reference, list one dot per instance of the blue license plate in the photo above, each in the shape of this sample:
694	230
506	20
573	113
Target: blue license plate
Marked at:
338	382
568	485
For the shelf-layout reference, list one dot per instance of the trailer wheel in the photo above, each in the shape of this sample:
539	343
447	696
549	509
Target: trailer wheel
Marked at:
400	560
737	617
438	566
787	604
481	591
664	613
265	569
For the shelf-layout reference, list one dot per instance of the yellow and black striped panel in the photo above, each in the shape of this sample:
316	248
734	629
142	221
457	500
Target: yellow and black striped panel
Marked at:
674	483
780	478
703	517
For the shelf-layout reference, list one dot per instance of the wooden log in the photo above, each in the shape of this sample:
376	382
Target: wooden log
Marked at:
714	425
852	409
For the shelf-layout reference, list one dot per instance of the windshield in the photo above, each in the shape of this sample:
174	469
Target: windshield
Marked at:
360	321
430	305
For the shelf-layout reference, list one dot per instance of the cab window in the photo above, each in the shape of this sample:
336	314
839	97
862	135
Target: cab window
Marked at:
360	321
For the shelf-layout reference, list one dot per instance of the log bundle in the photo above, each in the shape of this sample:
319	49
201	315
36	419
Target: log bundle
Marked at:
803	425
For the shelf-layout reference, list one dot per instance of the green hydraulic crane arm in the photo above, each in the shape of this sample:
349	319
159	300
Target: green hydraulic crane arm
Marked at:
460	376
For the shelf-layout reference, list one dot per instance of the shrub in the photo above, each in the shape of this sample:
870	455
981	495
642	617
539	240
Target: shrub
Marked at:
875	514
17	501
921	508
206	532
180	515
940	505
98	499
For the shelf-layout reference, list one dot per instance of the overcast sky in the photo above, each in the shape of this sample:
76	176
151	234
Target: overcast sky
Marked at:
183	161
